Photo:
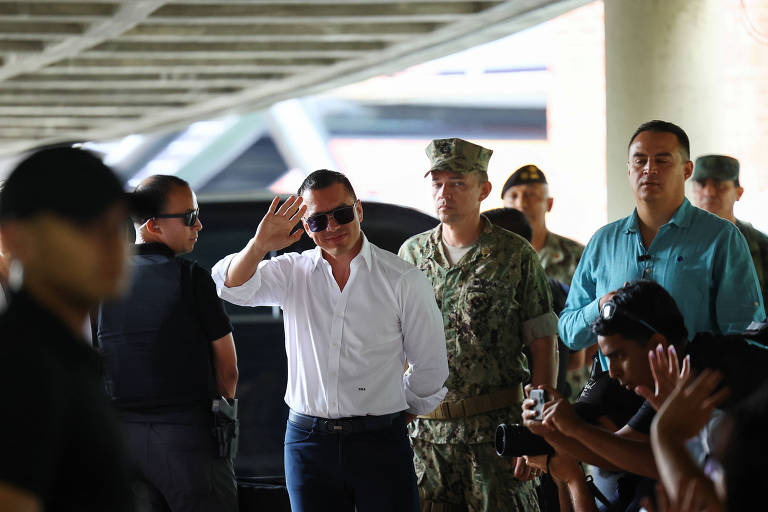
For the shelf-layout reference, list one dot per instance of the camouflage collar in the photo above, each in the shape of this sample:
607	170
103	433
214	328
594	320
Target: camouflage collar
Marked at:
552	247
483	247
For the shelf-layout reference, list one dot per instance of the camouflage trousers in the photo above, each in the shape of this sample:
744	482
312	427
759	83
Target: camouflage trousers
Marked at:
469	478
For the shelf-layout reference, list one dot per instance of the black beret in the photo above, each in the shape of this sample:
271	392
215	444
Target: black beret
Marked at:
525	175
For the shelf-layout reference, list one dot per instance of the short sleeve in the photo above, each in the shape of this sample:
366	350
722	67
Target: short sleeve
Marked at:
641	421
538	318
213	317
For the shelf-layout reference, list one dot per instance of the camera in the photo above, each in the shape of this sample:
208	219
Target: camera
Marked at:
601	396
517	440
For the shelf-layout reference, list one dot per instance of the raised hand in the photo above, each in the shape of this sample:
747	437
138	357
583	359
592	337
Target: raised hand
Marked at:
689	407
274	231
667	374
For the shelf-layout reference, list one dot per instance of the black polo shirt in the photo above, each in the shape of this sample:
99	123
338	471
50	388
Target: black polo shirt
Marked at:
58	438
641	421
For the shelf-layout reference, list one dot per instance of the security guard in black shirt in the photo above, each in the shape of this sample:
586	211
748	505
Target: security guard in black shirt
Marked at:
62	218
169	351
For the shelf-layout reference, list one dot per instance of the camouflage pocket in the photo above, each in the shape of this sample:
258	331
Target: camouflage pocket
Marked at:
485	297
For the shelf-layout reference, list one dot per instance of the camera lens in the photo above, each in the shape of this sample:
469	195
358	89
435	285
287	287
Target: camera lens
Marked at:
517	440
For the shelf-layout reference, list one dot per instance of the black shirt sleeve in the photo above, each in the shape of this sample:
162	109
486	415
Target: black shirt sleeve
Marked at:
643	418
213	317
32	424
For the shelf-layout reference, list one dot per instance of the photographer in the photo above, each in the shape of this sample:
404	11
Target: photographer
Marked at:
640	317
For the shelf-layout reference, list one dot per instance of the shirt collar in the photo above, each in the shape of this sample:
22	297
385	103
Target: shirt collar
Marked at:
681	218
482	247
365	252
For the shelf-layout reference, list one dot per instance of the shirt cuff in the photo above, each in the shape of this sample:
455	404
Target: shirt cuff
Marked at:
219	272
423	404
539	327
240	295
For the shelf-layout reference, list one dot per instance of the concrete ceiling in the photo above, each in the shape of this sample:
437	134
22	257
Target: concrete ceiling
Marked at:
93	70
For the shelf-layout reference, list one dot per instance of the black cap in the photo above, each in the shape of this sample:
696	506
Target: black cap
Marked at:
65	181
525	175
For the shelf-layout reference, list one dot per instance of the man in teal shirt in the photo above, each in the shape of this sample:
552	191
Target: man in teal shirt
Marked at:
699	258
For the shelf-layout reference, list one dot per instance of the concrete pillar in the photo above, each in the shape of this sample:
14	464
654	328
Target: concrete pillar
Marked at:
662	62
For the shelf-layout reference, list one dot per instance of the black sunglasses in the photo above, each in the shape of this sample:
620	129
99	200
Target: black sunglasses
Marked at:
342	215
609	311
188	218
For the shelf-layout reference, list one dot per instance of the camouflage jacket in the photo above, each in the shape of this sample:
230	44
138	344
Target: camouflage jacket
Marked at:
559	257
495	299
758	248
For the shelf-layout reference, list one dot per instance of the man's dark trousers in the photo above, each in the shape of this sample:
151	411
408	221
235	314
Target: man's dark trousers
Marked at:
175	464
371	470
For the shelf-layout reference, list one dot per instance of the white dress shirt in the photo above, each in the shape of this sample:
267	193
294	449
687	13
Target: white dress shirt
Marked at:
346	349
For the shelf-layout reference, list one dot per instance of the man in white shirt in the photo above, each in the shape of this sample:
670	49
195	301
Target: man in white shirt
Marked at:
353	314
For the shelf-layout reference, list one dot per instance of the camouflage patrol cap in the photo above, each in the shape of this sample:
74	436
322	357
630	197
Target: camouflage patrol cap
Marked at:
457	155
525	175
717	167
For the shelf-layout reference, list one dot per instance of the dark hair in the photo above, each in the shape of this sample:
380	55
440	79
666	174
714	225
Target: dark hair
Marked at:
649	302
511	220
149	197
324	178
72	183
741	358
658	126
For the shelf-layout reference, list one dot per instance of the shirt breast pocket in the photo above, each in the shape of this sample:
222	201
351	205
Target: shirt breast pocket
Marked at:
487	305
689	286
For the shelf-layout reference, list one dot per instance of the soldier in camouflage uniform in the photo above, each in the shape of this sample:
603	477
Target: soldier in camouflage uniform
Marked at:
716	188
526	190
494	297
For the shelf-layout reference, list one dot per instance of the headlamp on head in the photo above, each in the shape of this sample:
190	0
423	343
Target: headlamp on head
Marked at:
610	309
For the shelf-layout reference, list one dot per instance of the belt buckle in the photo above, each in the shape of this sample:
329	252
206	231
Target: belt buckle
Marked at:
333	427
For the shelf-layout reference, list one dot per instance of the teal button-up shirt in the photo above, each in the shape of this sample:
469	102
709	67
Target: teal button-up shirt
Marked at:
700	259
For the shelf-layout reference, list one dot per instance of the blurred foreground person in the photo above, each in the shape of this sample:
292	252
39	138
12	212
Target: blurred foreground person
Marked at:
171	362
732	476
5	261
62	218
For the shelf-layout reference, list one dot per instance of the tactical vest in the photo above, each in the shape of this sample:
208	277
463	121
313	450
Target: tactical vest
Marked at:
156	352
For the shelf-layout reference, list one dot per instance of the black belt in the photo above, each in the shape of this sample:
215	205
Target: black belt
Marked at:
342	425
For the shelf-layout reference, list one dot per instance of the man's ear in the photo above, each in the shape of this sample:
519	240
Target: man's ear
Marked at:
485	190
550	201
688	169
16	240
359	208
739	192
153	226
